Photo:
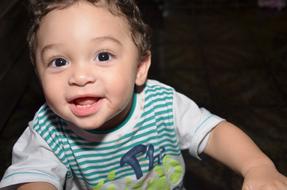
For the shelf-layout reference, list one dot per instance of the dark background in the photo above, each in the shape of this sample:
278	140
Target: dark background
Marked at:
227	55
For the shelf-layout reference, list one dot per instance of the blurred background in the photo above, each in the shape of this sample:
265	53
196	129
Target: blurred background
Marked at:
229	56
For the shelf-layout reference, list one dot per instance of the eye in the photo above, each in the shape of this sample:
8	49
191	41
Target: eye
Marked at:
59	62
104	56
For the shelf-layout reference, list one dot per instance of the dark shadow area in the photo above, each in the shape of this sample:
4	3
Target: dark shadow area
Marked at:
228	56
19	90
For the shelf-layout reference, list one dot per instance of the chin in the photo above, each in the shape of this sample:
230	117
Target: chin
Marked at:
87	126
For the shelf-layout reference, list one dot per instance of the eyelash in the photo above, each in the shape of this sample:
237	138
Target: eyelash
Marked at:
104	53
53	62
107	55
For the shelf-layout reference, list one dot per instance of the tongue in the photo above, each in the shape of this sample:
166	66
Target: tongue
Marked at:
85	101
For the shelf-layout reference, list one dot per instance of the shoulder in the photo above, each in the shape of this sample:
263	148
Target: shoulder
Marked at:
46	122
158	96
157	84
155	87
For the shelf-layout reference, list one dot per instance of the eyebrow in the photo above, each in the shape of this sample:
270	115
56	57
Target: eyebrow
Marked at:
107	38
97	39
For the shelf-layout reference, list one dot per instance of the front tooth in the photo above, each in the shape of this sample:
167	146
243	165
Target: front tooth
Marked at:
83	106
84	101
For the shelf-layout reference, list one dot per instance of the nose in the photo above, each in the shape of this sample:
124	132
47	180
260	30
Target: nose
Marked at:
82	76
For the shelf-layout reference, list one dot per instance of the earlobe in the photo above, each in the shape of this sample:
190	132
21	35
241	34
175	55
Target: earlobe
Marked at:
143	68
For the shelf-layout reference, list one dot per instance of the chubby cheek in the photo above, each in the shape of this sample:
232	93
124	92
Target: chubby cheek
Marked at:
122	88
122	91
53	91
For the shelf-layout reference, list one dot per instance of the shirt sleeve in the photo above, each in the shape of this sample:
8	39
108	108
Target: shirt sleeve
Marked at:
193	124
33	161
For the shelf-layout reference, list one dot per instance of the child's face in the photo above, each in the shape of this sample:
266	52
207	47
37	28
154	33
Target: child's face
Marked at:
88	65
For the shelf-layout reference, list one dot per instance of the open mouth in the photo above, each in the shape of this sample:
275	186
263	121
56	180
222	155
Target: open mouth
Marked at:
85	106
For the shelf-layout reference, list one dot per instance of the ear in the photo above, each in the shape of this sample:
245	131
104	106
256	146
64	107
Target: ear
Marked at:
142	69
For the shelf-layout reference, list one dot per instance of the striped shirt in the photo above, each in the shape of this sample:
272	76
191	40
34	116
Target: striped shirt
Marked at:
143	152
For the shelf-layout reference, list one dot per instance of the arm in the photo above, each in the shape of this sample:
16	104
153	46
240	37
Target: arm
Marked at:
229	145
36	186
33	161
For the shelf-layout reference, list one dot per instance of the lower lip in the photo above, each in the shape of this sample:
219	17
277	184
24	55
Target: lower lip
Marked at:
86	110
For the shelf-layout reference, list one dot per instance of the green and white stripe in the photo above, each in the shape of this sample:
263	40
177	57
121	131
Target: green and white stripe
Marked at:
93	161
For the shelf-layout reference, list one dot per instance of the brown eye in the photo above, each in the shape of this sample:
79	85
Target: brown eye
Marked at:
59	62
104	56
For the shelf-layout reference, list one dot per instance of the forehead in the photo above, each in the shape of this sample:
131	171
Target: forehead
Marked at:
82	21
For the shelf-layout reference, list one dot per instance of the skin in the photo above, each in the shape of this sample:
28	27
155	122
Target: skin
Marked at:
88	66
36	186
229	145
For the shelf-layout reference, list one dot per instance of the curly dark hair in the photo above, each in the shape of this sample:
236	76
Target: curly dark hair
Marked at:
141	32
